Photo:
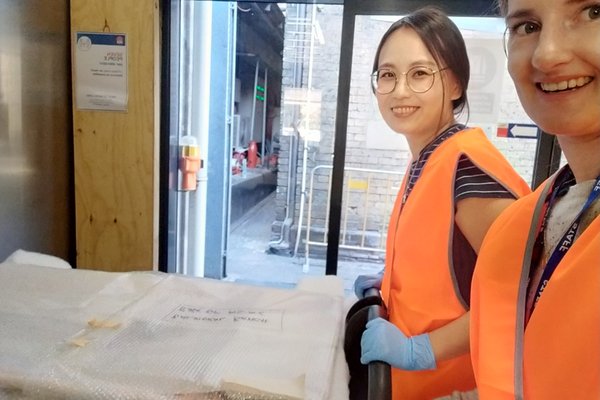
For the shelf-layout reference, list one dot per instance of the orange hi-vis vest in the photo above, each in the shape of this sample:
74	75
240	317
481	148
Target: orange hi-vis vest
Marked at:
419	287
557	354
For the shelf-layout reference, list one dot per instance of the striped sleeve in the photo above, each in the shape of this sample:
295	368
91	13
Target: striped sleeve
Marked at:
473	182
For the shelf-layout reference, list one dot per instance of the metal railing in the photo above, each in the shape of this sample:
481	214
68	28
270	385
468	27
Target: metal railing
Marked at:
369	195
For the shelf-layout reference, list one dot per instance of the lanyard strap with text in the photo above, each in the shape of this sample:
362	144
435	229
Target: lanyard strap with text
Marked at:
566	241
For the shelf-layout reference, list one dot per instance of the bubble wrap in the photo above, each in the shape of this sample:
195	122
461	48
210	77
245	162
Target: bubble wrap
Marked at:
77	334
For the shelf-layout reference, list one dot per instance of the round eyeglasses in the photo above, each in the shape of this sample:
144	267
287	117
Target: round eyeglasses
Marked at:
419	79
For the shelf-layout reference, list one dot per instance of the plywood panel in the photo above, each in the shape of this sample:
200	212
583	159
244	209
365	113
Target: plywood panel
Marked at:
115	167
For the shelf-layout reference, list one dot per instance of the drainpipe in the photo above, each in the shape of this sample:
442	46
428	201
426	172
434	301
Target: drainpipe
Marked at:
263	145
308	99
253	116
283	245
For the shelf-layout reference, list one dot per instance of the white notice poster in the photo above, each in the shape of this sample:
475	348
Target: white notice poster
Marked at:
101	71
488	62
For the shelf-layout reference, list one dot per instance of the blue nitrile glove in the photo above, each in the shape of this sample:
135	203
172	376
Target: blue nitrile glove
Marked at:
365	282
383	341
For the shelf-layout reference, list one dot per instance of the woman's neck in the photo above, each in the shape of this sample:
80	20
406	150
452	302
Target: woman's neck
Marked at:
583	156
417	144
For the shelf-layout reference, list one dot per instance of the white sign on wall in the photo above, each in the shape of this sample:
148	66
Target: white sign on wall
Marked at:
101	71
488	62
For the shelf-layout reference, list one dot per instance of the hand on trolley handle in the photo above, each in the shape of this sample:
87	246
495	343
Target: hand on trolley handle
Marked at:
372	381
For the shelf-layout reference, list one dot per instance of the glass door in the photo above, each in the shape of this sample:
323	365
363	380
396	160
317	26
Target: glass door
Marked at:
252	102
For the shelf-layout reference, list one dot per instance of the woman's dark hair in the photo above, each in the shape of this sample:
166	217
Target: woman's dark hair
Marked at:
503	6
443	40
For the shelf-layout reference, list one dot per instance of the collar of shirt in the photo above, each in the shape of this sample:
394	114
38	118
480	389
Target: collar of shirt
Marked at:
417	165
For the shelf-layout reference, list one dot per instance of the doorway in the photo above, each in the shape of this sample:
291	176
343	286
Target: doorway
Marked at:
298	172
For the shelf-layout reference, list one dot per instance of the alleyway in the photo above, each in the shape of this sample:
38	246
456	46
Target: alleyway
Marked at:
248	261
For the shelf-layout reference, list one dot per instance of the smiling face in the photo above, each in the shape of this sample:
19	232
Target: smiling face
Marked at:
554	60
419	116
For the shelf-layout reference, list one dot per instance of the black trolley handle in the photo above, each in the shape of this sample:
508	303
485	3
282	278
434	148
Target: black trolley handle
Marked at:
380	380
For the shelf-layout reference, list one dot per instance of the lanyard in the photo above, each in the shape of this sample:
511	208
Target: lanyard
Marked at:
567	239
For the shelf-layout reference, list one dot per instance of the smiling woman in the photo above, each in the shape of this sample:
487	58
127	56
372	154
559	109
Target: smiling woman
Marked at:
537	279
455	186
545	62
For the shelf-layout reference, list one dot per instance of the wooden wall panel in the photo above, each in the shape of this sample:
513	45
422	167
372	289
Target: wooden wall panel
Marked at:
116	171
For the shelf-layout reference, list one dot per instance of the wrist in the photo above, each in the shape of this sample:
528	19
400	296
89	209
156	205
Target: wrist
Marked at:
423	357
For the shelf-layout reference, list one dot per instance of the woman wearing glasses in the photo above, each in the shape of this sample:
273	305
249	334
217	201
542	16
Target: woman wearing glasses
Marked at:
536	314
456	185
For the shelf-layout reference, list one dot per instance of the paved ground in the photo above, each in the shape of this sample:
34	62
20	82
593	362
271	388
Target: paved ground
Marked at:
249	262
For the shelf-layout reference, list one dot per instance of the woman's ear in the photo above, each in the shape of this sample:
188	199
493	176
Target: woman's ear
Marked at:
455	89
